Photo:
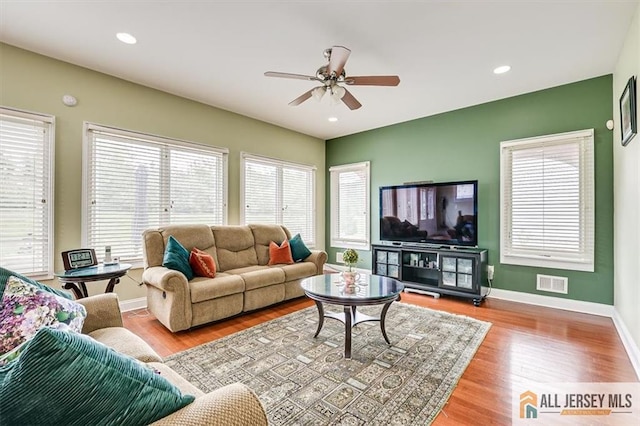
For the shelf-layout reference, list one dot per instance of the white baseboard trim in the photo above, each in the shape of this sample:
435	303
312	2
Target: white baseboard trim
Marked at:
554	302
627	340
133	304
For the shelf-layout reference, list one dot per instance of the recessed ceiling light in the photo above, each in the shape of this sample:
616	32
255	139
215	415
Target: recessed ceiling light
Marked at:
502	69
333	119
126	38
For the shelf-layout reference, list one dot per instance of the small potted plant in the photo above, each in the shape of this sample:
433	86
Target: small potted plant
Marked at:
350	258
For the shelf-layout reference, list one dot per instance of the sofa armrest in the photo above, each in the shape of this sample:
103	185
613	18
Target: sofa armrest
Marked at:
231	405
319	257
165	279
103	310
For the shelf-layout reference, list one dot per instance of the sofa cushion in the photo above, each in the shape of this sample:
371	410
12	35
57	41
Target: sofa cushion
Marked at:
259	276
69	378
235	247
263	236
176	257
280	254
26	308
190	236
202	263
299	251
125	342
223	284
299	270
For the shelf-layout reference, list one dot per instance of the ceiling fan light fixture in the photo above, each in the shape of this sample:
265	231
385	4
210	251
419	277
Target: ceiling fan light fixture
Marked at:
331	76
318	92
337	92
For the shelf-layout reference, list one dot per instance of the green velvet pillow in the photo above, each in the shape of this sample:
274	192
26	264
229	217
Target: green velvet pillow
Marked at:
67	378
176	257
5	274
299	251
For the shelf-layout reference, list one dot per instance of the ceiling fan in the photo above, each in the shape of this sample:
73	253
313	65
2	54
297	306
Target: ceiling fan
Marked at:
332	74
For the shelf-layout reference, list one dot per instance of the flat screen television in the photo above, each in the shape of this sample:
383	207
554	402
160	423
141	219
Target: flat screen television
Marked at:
430	213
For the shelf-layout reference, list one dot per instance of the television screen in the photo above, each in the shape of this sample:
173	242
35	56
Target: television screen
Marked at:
432	213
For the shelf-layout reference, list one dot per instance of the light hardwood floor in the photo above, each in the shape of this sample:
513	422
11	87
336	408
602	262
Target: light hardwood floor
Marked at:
525	343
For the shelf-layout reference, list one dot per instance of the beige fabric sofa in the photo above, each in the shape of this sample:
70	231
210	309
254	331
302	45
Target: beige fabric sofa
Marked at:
231	405
244	281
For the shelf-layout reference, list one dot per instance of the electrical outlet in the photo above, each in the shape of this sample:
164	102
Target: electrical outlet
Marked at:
339	257
490	272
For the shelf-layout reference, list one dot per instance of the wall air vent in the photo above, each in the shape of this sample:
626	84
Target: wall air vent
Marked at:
552	284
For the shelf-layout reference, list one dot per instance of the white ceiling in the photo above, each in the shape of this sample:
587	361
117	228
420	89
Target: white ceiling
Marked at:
216	52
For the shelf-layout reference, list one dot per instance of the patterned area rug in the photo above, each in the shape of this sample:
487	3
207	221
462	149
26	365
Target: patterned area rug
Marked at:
305	381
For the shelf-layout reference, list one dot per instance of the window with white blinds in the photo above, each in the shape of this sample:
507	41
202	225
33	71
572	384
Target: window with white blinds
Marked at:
279	192
135	181
26	192
350	218
547	199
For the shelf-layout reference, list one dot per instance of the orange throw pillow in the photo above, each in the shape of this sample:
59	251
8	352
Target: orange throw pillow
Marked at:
279	254
202	263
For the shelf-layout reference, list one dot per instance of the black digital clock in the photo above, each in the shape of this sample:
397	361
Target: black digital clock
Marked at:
79	258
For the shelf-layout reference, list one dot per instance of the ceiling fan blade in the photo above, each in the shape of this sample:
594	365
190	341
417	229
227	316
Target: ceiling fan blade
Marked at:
373	80
289	75
300	99
339	56
350	101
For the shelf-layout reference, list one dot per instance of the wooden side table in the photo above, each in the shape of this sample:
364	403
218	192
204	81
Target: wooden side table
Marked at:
75	279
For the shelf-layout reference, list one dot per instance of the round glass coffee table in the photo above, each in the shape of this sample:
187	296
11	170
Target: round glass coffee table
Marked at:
368	290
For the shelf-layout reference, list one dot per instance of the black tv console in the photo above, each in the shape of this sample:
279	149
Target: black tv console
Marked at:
444	270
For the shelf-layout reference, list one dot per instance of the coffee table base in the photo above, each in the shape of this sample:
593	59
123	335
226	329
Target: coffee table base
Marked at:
350	318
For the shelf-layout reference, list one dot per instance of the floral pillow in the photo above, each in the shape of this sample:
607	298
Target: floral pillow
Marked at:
26	308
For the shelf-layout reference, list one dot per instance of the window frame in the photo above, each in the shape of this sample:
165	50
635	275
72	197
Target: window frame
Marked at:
48	161
585	258
334	173
164	143
280	164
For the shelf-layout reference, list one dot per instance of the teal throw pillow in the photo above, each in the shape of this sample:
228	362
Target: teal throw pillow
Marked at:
299	251
26	308
5	274
176	257
64	378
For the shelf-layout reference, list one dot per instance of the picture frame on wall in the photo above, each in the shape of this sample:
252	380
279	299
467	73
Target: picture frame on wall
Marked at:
628	122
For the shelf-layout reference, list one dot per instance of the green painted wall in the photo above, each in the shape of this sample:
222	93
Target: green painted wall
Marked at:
37	83
465	144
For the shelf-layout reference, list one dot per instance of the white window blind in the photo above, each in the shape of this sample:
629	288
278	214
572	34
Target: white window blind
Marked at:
136	181
279	192
547	198
26	192
350	218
